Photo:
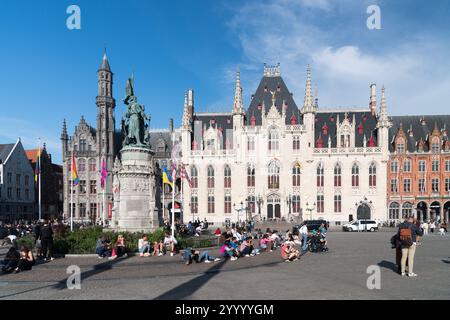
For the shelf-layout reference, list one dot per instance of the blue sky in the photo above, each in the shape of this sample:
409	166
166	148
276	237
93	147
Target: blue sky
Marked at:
48	73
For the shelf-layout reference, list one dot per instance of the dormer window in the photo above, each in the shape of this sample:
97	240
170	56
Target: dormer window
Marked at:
435	147
400	147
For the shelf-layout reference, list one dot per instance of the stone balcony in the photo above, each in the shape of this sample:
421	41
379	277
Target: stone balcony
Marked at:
347	150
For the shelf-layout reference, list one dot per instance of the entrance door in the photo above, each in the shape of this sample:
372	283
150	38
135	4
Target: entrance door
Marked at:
270	211
277	211
363	212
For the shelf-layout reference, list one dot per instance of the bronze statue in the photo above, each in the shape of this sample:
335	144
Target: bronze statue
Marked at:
134	122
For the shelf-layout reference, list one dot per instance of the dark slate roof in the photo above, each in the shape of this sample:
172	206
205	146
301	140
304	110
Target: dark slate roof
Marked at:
266	85
422	127
219	120
364	118
5	150
156	136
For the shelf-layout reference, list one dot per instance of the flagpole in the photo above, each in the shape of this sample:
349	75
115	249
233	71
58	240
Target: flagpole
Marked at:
39	177
173	190
71	192
181	181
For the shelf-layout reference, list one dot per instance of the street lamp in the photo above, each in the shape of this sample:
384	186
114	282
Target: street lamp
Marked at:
289	203
239	210
260	201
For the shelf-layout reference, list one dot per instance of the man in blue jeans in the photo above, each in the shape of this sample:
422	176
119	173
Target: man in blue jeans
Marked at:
190	255
304	233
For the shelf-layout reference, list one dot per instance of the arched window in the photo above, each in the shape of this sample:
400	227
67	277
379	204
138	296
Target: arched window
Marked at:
406	209
251	204
337	175
227	204
211	204
394	210
394	166
273	139
296	176
435	147
194	204
210	177
251	176
274	175
373	175
227	177
92	165
355	175
194	177
81	165
320	175
296	204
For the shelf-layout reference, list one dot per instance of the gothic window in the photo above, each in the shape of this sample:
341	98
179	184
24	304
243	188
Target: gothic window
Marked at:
211	204
447	184
394	210
81	165
274	175
93	209
82	187
93	187
337	175
227	177
320	203
337	203
394	185
373	175
296	142
194	204
210	177
82	207
296	176
251	176
273	139
194	177
422	186
296	204
447	165
83	145
320	175
227	204
92	165
355	175
251	203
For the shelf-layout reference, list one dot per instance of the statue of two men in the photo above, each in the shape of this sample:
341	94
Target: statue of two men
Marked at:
135	121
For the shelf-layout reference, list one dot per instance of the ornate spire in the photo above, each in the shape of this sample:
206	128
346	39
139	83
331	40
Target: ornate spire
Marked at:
308	104
238	106
186	119
64	135
105	63
383	120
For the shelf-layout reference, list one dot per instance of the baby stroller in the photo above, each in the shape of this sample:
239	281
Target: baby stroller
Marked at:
317	243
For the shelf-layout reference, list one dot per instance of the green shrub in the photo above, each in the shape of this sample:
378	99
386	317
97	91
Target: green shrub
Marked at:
27	241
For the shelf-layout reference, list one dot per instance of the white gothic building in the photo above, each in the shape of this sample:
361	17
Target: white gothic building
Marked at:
275	160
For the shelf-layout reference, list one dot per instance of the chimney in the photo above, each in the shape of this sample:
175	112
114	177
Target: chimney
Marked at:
171	125
373	99
191	104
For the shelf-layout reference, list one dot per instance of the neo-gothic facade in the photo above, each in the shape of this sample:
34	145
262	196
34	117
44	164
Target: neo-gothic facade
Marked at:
277	160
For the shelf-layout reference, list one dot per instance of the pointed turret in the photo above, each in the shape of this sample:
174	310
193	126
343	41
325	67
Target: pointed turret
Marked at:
383	120
373	99
64	140
238	106
105	63
186	118
308	104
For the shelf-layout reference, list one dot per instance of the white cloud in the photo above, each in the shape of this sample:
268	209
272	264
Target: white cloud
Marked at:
294	34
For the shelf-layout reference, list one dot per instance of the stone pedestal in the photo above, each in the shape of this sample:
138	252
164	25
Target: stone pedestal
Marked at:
136	187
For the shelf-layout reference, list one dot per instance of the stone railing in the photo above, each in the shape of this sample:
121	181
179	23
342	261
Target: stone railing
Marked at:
203	153
346	150
295	128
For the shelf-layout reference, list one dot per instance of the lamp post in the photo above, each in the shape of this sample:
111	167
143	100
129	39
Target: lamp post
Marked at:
239	210
289	203
260	201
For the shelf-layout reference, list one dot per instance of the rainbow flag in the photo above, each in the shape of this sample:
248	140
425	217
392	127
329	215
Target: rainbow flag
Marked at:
74	172
37	171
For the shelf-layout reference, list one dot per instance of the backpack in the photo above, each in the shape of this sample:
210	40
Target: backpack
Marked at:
406	237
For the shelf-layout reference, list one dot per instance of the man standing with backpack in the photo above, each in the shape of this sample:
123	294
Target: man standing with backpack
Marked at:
407	235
